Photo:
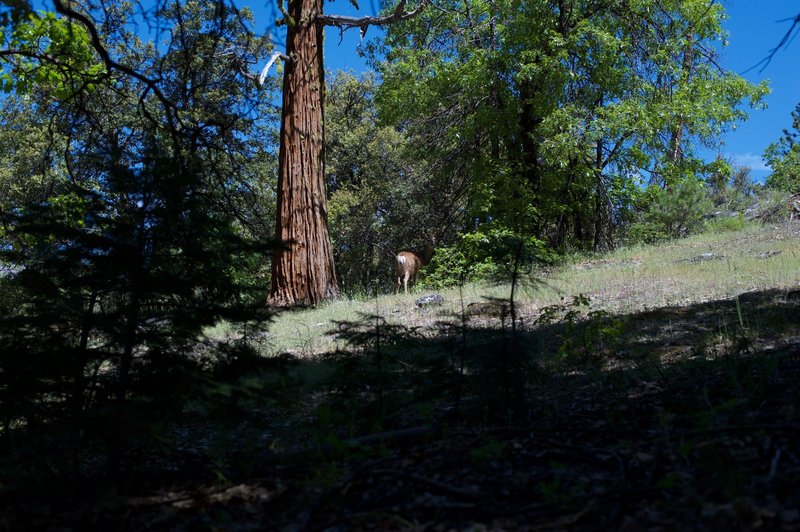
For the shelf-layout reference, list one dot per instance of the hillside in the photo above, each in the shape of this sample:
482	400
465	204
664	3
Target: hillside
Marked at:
700	269
653	387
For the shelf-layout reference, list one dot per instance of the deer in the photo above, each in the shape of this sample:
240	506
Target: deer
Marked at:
408	265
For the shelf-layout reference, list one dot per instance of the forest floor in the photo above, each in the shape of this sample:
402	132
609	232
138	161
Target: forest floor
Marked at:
651	388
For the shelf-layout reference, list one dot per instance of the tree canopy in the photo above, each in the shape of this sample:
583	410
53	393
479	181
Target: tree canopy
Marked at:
554	114
783	157
137	221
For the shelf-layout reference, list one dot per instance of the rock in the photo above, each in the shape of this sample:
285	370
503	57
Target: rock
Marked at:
432	300
768	254
702	258
720	214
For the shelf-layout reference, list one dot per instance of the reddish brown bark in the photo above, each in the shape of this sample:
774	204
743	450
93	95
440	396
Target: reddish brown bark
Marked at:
303	272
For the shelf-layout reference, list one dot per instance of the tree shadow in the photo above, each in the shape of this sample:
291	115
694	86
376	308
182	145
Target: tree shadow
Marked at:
672	417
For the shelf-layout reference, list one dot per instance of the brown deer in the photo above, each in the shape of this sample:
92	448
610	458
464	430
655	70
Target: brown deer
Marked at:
408	264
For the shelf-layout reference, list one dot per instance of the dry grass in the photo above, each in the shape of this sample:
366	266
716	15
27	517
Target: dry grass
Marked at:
640	278
624	281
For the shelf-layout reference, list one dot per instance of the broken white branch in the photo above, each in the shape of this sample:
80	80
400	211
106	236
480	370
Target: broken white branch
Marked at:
265	71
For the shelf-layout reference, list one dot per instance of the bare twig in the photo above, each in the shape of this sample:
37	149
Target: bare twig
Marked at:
785	40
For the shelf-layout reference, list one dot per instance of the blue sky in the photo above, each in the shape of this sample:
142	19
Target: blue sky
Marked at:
753	28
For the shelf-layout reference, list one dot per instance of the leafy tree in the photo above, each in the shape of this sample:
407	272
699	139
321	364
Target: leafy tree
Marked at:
783	157
731	187
31	153
671	212
547	113
368	179
382	201
143	239
490	253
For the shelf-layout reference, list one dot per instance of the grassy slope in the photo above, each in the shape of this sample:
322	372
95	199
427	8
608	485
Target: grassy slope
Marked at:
628	280
674	406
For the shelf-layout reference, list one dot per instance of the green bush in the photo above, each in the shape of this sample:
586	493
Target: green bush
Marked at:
671	212
725	224
491	253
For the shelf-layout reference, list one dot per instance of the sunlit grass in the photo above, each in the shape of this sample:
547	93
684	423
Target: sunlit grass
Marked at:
633	279
623	281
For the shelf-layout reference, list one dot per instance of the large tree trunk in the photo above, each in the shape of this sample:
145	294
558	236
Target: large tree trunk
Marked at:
302	271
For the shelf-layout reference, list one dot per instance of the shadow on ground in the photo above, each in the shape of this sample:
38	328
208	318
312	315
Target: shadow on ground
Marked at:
675	418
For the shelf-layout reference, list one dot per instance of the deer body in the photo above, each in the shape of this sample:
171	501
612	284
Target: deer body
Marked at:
408	265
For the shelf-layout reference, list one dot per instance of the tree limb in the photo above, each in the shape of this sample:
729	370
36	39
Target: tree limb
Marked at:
287	18
785	40
275	56
346	22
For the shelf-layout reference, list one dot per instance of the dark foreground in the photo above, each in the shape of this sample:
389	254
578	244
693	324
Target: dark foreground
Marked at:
680	418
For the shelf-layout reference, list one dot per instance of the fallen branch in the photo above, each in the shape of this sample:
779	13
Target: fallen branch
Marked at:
402	436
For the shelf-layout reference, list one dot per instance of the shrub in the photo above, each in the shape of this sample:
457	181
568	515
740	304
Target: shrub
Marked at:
490	253
673	212
725	224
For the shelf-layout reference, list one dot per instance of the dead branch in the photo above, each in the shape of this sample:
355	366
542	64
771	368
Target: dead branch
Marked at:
447	489
784	42
265	71
345	22
412	434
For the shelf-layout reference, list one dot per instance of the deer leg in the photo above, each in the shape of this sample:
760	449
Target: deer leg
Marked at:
405	280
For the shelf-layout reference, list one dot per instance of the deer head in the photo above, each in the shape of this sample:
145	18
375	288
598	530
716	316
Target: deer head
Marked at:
408	264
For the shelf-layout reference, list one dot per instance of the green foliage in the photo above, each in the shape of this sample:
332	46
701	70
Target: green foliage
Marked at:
491	253
124	236
725	224
542	115
130	225
29	149
731	188
380	201
784	158
588	336
670	213
54	53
